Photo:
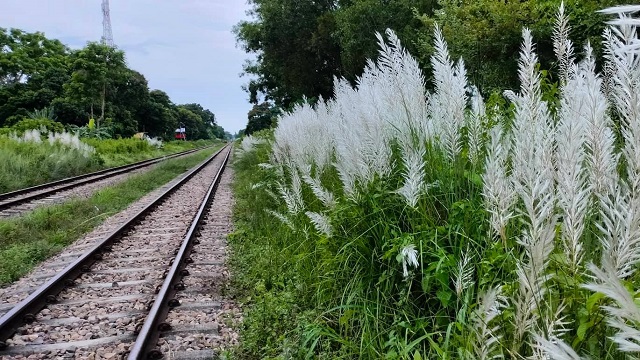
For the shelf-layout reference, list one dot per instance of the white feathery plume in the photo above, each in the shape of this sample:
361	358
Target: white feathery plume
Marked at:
258	185
413	176
600	140
292	197
555	349
463	275
490	306
272	195
620	209
285	220
248	143
476	125
321	222
573	191
324	195
626	94
533	179
409	256
562	45
622	9
404	96
447	105
625	312
620	231
498	192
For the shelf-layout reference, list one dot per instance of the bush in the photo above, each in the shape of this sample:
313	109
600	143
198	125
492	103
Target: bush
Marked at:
38	124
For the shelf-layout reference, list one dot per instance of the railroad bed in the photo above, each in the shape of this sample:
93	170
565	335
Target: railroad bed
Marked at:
21	201
155	283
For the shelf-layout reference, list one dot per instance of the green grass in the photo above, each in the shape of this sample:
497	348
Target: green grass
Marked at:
26	241
26	163
116	152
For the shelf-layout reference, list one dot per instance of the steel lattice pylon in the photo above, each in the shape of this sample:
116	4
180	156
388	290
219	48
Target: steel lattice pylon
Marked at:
107	34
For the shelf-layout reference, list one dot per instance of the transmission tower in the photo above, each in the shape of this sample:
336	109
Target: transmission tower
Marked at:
107	35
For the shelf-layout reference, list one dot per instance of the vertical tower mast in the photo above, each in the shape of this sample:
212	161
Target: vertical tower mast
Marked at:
107	35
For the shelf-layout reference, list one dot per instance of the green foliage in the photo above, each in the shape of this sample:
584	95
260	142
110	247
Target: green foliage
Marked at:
89	132
487	34
300	46
37	124
261	117
45	113
28	163
296	54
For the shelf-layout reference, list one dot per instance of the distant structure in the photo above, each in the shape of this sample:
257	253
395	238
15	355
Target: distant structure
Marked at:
107	34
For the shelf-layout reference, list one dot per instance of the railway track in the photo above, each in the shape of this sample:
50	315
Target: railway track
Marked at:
114	299
20	201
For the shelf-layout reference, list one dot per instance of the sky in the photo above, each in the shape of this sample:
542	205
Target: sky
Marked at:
183	47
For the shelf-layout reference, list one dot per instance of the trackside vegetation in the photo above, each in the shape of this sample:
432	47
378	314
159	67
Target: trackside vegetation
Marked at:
27	240
39	156
391	222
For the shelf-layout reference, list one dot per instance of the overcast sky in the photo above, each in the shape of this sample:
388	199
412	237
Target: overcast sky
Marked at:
183	47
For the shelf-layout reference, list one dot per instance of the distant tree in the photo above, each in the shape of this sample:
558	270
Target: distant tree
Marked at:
261	117
195	127
24	55
32	71
96	69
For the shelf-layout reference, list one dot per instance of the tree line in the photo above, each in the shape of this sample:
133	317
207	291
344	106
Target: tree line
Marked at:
93	82
301	45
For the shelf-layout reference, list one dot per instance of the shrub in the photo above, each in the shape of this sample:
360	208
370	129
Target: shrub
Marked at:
44	125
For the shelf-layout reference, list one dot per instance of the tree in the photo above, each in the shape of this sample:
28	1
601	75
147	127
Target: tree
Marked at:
358	21
296	53
195	128
95	69
32	71
24	55
488	34
38	73
158	115
261	117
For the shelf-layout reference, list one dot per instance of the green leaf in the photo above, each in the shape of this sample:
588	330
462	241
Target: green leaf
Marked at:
417	356
444	296
582	329
592	300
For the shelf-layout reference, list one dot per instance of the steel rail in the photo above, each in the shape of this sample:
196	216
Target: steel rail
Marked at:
146	342
73	181
24	312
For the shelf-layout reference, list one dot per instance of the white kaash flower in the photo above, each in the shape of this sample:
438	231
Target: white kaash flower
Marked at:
464	273
283	218
321	222
409	256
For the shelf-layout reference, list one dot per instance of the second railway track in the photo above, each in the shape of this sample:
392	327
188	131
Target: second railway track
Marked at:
20	201
101	312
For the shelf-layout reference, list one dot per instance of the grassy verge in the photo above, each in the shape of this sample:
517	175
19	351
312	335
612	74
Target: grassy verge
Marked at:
268	273
34	158
26	241
116	152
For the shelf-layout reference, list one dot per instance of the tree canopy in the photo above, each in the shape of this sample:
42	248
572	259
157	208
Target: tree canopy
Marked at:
93	82
301	45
